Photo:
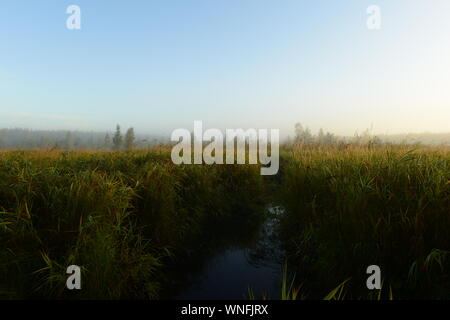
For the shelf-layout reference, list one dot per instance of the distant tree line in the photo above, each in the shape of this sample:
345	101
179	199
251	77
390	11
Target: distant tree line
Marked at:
304	136
71	140
118	142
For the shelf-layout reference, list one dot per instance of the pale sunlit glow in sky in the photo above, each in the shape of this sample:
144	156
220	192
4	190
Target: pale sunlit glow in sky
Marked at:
160	65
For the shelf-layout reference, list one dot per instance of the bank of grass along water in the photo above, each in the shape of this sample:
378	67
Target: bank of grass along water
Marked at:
123	217
351	208
129	219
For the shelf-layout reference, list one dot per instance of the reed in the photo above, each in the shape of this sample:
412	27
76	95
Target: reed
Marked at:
122	216
128	217
353	207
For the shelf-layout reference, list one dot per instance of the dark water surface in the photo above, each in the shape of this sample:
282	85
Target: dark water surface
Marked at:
232	272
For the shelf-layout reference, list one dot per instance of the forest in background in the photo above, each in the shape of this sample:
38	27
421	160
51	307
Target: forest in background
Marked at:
19	138
134	221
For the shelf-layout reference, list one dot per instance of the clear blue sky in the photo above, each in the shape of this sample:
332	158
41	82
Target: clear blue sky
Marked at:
159	65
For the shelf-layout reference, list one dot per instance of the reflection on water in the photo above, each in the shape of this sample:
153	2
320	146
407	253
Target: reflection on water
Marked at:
230	273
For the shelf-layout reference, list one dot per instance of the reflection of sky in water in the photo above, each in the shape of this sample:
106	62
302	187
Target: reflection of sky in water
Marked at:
230	274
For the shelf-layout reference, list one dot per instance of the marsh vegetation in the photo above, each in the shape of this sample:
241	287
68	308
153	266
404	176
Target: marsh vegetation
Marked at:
140	226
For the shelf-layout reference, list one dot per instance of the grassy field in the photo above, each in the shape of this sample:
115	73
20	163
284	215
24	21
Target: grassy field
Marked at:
351	207
127	217
121	216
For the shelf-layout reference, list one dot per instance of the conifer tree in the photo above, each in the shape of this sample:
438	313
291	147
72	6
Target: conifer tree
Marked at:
117	139
129	139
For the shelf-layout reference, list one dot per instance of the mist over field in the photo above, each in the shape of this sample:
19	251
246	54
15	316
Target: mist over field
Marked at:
70	140
119	179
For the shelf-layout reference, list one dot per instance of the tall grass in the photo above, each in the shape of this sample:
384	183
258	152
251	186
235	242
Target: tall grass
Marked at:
127	218
350	208
120	216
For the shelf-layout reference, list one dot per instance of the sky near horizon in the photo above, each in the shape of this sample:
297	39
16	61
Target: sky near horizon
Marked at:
159	65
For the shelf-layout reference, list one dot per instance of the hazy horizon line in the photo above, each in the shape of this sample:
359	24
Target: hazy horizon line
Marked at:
141	132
